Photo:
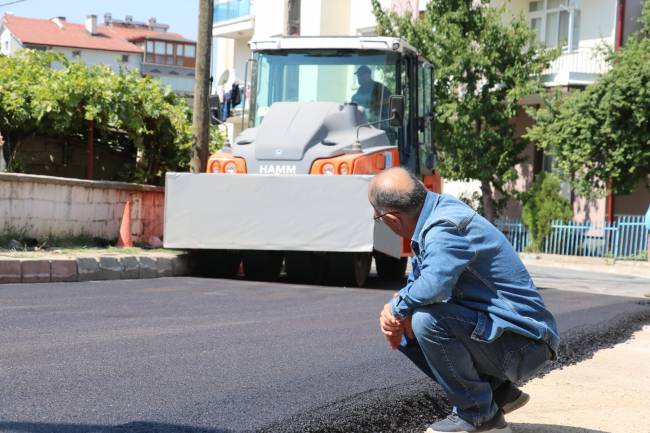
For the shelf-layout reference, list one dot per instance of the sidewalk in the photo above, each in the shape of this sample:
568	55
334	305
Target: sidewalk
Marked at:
89	265
591	264
608	393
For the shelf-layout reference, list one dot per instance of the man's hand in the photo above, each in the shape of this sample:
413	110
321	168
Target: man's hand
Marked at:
393	328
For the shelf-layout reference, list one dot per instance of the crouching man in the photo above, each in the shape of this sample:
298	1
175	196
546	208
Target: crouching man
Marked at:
469	316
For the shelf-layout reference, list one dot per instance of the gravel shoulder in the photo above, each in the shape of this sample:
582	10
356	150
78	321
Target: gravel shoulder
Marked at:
607	393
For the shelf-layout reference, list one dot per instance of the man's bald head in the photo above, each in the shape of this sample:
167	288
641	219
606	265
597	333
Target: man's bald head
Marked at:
396	189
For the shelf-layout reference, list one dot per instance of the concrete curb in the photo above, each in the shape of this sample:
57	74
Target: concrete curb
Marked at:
91	268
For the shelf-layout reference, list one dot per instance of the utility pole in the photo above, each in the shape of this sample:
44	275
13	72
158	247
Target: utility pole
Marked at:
200	117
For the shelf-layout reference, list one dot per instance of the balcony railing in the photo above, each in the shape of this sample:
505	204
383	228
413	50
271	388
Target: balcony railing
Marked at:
589	61
230	10
578	67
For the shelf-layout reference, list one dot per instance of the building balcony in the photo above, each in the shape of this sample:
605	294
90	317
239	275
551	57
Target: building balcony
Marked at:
233	18
576	68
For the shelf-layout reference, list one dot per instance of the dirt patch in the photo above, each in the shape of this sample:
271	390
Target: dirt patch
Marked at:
71	253
607	393
409	408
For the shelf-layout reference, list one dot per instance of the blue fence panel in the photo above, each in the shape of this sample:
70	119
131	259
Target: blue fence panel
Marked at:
631	237
625	238
515	232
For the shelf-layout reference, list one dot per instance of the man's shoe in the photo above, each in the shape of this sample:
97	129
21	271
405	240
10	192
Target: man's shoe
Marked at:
510	398
455	424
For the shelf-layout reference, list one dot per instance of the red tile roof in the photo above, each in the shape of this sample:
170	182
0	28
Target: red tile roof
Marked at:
133	34
47	32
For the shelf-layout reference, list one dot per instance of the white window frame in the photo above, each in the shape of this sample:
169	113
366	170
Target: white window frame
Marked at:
570	6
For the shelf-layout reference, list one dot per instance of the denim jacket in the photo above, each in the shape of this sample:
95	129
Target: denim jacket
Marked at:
460	257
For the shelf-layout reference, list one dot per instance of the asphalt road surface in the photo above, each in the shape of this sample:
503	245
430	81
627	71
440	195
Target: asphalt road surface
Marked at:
211	356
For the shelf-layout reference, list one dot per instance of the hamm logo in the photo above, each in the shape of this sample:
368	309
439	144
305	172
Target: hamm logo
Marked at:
277	169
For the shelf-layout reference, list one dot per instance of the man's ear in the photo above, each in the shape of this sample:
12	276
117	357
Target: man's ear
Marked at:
394	220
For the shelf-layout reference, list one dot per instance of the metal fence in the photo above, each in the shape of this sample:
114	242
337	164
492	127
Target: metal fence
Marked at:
515	232
625	238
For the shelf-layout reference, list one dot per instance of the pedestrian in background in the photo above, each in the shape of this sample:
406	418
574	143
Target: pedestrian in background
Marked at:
469	316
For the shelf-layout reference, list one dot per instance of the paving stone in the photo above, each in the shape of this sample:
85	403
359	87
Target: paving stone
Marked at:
64	270
110	268
88	268
148	267
181	265
165	266
10	271
130	268
35	271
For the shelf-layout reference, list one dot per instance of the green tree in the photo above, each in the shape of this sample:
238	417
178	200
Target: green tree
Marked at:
542	205
36	99
483	68
20	80
603	132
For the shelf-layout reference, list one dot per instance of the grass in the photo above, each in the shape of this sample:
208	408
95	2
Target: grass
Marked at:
73	245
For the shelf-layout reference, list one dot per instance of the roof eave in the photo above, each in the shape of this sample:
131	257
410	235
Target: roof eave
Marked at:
134	51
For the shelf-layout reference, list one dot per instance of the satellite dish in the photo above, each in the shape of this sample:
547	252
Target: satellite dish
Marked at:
223	79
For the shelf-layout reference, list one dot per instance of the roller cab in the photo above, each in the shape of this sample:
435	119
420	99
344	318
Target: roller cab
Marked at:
290	192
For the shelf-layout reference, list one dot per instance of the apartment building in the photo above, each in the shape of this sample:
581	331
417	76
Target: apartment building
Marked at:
580	28
148	47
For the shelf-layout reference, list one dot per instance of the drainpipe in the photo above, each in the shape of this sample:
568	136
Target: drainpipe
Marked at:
618	43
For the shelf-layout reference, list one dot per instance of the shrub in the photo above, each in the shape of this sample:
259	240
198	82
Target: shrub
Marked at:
542	205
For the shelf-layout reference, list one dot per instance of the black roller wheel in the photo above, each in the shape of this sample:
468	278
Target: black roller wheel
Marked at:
305	267
214	263
348	269
389	268
262	265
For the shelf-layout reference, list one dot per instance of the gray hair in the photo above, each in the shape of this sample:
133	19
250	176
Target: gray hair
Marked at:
409	201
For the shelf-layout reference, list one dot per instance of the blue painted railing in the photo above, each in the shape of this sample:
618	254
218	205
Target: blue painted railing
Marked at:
627	237
231	9
515	232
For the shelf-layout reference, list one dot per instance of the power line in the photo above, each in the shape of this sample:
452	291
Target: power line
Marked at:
12	3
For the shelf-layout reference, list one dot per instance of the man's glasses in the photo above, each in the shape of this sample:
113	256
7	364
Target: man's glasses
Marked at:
379	217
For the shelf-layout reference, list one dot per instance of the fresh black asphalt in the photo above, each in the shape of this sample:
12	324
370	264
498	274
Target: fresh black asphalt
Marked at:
214	356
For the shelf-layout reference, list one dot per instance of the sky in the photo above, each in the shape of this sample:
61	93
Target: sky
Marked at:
182	16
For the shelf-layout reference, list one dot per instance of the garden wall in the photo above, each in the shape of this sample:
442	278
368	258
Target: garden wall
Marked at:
43	206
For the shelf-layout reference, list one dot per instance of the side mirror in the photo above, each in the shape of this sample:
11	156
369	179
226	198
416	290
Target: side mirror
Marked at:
396	105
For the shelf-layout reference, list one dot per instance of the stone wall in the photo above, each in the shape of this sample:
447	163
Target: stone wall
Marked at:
54	206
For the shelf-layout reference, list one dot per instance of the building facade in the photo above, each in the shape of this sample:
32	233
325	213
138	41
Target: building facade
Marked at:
147	47
582	30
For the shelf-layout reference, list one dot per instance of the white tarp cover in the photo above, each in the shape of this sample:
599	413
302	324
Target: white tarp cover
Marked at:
266	212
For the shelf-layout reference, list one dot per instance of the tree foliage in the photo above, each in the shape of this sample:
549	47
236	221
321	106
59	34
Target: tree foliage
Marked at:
483	68
61	101
542	205
603	131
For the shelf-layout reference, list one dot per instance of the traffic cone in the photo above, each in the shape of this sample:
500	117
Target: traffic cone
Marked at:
124	240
